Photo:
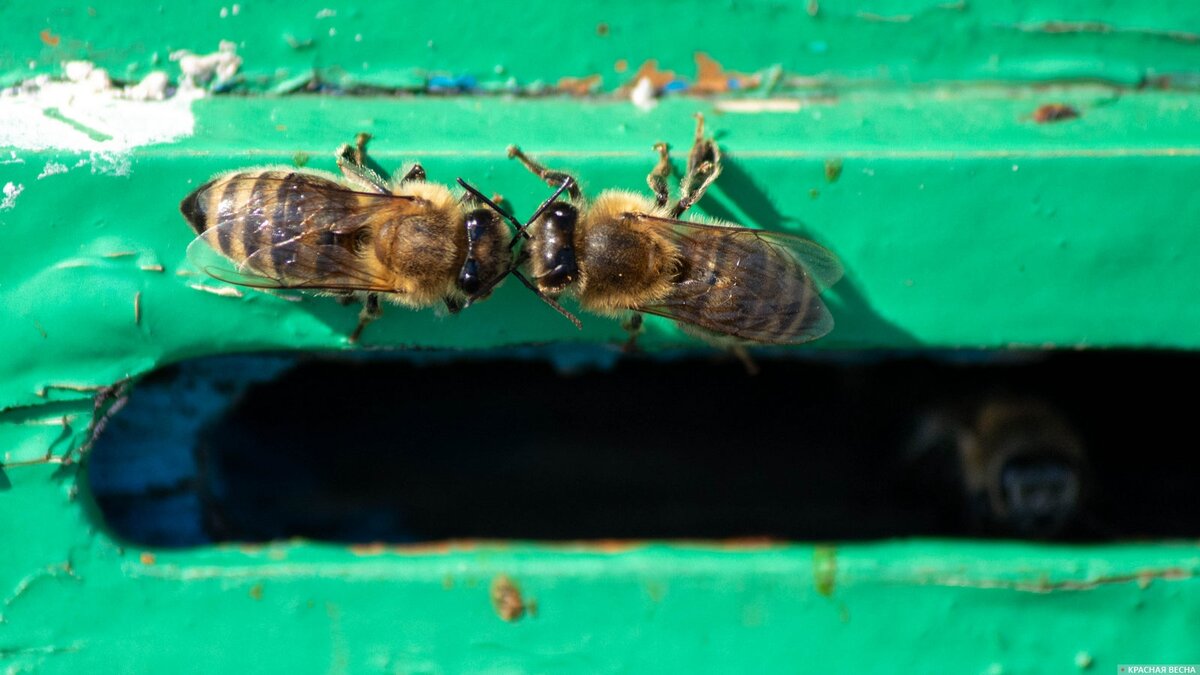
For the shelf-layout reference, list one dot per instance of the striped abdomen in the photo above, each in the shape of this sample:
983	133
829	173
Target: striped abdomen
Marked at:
740	284
279	215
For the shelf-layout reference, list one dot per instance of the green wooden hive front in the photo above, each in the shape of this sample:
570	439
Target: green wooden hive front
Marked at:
902	134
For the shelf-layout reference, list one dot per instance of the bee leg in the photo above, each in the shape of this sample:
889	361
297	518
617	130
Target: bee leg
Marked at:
633	326
369	313
739	352
704	165
551	178
497	199
415	174
344	299
657	180
360	147
351	160
453	305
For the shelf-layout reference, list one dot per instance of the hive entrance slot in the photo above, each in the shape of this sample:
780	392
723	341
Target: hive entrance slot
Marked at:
257	448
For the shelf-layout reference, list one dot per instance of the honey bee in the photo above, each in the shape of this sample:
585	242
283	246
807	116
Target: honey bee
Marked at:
411	242
624	252
1017	463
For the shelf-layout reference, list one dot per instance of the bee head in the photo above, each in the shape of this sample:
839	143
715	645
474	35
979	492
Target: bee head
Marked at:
552	259
488	258
1040	493
471	280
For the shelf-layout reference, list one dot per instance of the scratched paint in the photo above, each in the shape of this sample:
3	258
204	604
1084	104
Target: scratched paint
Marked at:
886	42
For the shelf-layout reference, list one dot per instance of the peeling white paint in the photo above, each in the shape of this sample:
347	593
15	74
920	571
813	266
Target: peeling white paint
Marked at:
111	163
153	87
219	66
642	95
11	192
87	74
86	112
52	168
43	115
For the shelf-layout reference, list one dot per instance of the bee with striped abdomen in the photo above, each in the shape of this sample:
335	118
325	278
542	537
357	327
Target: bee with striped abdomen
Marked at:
411	242
623	252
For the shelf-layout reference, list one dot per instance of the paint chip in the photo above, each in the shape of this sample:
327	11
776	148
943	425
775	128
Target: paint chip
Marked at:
218	67
643	96
52	168
11	192
579	86
507	600
153	87
111	163
712	78
86	112
1054	112
833	170
87	74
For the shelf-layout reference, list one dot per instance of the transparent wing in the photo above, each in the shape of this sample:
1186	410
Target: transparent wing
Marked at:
297	231
748	284
312	267
821	265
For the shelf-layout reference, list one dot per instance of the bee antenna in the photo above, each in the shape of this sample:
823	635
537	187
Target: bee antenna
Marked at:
566	185
513	270
479	195
488	289
547	299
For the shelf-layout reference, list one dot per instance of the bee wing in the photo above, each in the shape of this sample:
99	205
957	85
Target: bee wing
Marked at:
277	241
308	266
808	322
769	289
819	263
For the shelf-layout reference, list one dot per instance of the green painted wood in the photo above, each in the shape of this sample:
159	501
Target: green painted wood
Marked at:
404	44
945	244
961	223
75	600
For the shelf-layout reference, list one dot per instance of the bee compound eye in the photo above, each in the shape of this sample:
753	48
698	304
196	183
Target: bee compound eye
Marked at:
477	223
468	278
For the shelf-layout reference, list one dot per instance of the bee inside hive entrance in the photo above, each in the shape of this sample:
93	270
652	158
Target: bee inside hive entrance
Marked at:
430	447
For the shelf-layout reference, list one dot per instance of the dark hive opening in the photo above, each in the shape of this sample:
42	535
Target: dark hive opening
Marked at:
1074	446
